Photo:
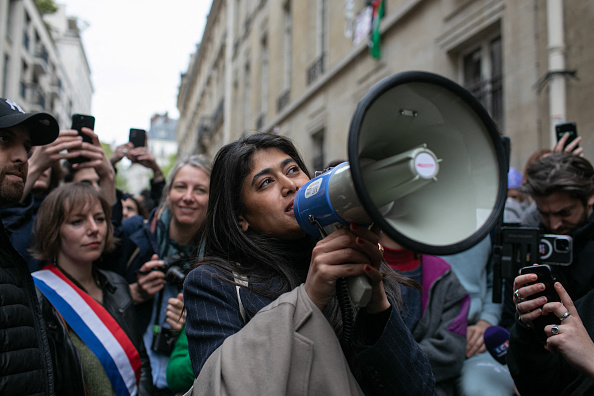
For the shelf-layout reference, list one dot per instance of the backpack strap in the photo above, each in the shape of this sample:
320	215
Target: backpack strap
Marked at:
132	258
242	280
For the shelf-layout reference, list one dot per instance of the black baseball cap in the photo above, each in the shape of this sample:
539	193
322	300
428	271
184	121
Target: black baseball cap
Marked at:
43	127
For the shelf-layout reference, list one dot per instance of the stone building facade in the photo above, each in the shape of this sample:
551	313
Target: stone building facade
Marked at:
43	65
300	68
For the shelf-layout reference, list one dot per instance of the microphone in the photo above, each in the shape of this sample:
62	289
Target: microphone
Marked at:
497	341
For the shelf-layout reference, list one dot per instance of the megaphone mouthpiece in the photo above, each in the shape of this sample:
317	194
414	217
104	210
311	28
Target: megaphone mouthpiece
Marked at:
392	178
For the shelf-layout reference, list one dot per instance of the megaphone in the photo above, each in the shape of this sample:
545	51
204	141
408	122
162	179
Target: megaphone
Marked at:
425	163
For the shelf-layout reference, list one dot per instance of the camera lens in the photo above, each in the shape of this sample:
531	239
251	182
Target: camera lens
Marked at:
175	275
562	245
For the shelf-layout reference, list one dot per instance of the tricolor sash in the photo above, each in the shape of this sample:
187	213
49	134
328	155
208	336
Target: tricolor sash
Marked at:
95	326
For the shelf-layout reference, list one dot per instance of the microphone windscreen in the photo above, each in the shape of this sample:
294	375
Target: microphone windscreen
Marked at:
497	341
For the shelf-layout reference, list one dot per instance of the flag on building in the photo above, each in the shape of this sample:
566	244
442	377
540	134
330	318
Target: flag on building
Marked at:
376	17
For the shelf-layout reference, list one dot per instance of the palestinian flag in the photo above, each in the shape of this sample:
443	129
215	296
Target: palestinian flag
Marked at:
376	17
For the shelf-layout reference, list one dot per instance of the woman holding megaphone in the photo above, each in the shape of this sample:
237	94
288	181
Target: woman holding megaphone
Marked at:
262	312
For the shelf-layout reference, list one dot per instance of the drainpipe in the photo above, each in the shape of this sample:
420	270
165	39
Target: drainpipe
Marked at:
556	51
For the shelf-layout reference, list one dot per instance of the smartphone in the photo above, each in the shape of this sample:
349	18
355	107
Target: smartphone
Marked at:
137	137
545	275
555	249
567	127
78	122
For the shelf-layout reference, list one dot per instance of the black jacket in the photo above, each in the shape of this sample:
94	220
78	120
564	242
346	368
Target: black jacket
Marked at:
118	302
25	360
577	278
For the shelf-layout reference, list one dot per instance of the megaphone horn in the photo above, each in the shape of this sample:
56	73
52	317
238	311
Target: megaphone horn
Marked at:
426	164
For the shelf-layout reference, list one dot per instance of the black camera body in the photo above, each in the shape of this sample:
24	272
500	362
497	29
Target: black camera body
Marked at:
175	268
519	247
164	340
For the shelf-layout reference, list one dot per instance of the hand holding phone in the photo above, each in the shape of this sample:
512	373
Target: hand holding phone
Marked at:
80	121
545	276
567	127
137	137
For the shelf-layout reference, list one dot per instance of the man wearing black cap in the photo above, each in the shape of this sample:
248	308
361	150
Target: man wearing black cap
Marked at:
25	358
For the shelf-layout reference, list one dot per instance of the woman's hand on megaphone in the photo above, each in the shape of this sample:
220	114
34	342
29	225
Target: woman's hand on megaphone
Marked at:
370	237
345	253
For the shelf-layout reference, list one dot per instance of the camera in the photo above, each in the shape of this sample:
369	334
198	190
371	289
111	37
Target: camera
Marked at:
164	340
519	247
175	268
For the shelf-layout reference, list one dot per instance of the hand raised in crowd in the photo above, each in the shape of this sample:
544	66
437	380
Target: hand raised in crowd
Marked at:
149	282
176	314
572	147
98	161
44	157
120	152
142	156
475	342
345	253
571	338
137	155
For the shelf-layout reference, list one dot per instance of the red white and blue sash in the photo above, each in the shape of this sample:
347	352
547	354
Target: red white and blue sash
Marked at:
95	326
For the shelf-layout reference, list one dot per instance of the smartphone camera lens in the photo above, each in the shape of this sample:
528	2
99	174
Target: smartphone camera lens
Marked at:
562	245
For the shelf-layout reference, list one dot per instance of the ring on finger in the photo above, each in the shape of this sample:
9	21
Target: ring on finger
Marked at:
555	330
380	247
564	316
517	296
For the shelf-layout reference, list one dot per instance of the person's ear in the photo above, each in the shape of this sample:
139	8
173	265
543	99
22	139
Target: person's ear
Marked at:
591	199
243	224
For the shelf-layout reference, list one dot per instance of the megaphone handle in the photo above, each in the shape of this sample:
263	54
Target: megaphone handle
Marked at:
346	310
359	290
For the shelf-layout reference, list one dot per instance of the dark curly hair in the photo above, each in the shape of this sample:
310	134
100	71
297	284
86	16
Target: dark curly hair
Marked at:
560	172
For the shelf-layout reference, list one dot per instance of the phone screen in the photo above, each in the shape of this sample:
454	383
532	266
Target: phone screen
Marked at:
568	127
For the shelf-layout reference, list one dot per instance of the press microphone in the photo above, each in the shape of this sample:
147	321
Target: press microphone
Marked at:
497	341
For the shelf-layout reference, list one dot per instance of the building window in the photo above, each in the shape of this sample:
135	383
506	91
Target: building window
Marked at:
264	82
483	76
246	98
322	27
317	68
236	19
288	46
5	76
319	160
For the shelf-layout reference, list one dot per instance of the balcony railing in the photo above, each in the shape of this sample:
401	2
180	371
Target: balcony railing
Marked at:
41	62
315	70
261	121
204	126
283	100
218	114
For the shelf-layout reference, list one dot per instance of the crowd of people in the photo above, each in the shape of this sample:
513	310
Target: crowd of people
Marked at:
207	284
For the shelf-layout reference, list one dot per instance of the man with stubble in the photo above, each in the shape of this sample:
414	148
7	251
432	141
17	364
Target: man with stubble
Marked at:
26	361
